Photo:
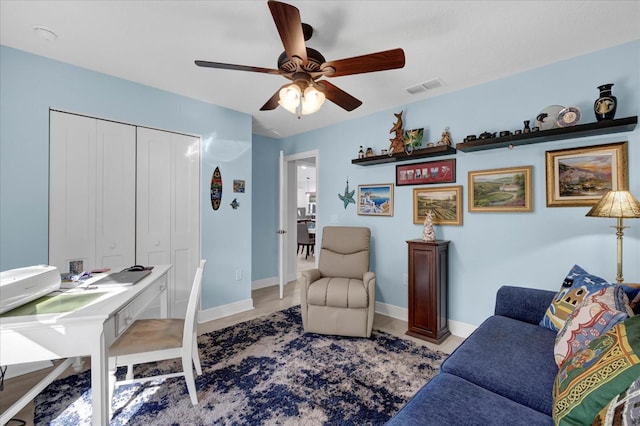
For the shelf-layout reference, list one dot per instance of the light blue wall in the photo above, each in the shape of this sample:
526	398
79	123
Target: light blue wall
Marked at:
30	85
491	249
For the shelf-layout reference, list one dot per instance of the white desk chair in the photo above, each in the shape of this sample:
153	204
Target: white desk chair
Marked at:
153	340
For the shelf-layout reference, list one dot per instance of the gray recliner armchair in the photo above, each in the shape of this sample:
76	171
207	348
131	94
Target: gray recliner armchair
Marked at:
339	296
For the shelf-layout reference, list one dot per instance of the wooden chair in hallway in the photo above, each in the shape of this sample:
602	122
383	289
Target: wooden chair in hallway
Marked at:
151	340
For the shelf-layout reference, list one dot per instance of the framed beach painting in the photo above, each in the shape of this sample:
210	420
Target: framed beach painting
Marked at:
375	200
581	176
445	202
501	190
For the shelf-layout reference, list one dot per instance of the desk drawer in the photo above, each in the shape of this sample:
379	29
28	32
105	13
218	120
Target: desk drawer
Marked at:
127	315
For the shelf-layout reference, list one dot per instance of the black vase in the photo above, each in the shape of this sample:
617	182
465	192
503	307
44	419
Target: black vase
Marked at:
605	106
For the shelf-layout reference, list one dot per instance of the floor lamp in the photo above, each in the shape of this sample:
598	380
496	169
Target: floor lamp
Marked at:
619	205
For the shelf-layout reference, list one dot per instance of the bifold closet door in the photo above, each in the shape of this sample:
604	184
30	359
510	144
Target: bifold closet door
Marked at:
91	192
167	215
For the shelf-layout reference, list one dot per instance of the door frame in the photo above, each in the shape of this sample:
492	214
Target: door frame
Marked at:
288	206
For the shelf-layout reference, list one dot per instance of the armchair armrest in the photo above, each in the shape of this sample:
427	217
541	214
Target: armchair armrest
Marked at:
368	276
524	304
309	276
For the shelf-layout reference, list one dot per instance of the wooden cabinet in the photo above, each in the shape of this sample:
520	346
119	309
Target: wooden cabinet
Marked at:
428	281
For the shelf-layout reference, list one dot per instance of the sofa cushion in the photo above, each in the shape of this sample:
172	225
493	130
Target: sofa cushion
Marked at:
511	358
589	380
338	293
452	401
577	285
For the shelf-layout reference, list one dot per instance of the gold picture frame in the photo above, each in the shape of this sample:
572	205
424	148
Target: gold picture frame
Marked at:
444	201
501	190
581	176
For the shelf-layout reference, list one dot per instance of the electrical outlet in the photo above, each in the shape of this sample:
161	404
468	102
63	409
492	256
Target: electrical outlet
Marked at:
238	274
405	279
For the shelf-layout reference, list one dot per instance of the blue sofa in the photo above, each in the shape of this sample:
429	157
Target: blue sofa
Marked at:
501	375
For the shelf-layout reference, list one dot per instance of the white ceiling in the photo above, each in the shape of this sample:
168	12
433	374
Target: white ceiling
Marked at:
463	43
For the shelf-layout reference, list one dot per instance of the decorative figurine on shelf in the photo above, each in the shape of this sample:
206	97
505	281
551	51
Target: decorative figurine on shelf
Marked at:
348	196
361	152
369	152
428	234
397	143
445	139
526	129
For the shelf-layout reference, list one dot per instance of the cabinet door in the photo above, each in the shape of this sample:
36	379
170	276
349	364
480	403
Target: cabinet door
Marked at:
115	194
72	189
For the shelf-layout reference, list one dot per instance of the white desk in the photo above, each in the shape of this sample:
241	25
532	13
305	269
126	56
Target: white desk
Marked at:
88	330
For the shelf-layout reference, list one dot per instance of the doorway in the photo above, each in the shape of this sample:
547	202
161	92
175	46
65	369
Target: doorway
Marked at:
299	193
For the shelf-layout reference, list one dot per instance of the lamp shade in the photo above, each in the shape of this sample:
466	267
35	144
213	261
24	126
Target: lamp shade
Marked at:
290	97
620	204
312	101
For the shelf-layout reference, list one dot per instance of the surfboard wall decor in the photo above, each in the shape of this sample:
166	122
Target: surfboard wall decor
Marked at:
216	189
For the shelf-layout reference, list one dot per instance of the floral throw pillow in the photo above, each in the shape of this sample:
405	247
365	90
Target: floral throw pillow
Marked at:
590	379
577	285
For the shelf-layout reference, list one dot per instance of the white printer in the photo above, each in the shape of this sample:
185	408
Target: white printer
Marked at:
22	285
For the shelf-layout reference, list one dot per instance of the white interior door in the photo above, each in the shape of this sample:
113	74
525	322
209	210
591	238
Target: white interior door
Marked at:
282	220
91	192
168	212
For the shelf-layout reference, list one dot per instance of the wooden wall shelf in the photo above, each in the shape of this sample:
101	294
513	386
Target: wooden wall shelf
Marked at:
434	151
581	130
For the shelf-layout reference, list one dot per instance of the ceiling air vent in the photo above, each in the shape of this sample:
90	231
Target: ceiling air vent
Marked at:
423	87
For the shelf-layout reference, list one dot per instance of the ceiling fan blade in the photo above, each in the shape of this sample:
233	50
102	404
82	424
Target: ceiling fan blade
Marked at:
289	25
272	103
223	66
379	61
339	96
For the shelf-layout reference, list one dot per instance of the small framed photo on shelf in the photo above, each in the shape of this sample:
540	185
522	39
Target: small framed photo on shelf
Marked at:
581	176
375	200
501	190
444	201
430	172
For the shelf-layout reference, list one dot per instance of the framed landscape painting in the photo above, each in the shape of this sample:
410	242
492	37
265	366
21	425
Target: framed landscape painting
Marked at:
581	176
375	200
445	202
501	190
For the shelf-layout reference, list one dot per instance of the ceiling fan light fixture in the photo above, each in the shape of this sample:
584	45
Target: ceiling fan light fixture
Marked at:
312	100
290	97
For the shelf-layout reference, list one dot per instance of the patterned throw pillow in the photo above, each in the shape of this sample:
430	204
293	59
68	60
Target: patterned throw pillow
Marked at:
589	380
577	285
587	322
623	410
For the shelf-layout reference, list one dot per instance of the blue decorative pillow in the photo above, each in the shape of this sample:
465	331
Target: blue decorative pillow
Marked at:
577	285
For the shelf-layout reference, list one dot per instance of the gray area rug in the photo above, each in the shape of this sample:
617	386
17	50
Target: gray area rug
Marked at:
263	372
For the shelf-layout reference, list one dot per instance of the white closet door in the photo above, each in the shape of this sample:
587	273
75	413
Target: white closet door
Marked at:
72	188
115	194
168	218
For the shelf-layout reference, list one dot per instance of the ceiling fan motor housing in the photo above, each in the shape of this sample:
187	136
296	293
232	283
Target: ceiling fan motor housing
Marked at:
314	61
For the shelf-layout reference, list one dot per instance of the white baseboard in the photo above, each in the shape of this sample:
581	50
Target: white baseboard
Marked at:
265	282
225	310
456	328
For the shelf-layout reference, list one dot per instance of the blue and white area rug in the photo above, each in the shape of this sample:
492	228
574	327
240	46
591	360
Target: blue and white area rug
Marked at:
263	372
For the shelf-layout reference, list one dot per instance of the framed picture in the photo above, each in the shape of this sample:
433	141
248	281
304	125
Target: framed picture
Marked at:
501	190
413	137
375	200
581	176
445	202
430	172
238	185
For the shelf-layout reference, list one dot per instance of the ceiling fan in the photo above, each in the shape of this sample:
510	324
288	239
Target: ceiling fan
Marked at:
305	66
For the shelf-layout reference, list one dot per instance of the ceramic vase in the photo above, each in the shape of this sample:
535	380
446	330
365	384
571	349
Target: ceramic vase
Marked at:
605	106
